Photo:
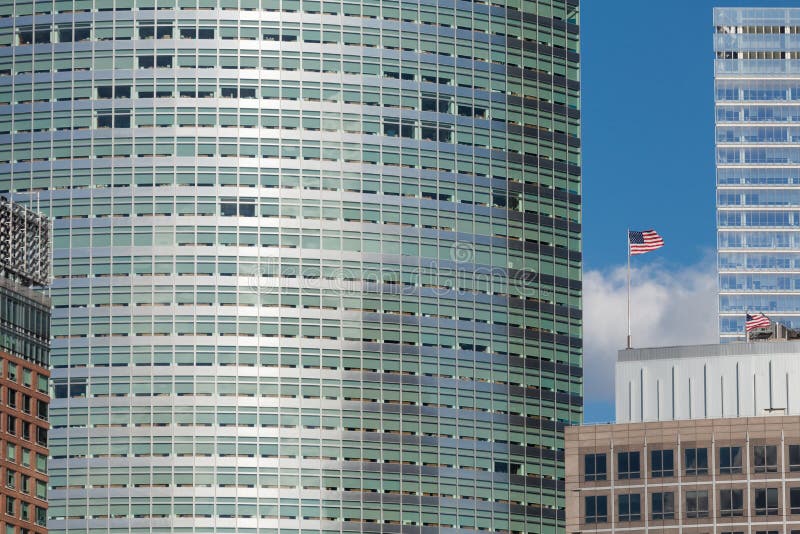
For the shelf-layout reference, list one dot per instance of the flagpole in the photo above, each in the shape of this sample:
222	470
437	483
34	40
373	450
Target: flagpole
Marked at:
628	241
746	335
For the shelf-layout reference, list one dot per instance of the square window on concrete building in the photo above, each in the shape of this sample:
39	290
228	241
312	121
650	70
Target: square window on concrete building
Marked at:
730	460
696	461
731	502
628	465
766	501
697	503
794	457
629	507
663	505
661	463
765	458
596	509
794	500
594	467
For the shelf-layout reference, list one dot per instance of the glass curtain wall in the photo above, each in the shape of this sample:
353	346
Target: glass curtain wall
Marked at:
757	86
317	264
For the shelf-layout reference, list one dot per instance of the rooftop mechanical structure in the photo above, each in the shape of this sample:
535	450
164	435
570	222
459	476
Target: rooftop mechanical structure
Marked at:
24	243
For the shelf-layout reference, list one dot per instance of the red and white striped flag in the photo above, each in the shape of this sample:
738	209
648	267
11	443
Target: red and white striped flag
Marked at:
756	321
644	241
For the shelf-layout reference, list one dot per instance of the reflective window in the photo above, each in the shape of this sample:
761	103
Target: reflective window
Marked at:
696	461
596	509
697	503
765	458
629	507
794	500
730	460
765	501
628	465
663	505
594	467
731	502
661	463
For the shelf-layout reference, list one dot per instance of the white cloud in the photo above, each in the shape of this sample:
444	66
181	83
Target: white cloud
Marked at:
668	307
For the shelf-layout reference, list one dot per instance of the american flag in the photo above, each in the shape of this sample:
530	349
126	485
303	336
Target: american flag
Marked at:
644	241
756	321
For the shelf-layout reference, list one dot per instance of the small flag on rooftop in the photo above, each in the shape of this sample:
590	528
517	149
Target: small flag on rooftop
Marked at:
758	320
644	241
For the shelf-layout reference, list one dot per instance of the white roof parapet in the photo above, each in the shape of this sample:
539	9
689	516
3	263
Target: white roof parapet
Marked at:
707	381
705	351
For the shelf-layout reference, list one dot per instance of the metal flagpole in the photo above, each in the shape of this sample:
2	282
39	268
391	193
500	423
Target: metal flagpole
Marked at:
628	241
746	335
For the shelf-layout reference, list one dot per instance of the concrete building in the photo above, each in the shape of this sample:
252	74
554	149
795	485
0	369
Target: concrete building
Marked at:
707	440
316	264
710	476
708	381
24	369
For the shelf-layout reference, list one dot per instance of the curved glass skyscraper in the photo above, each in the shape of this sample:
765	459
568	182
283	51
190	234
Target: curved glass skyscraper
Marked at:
317	263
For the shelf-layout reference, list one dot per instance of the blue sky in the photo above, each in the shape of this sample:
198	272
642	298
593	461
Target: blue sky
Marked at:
648	156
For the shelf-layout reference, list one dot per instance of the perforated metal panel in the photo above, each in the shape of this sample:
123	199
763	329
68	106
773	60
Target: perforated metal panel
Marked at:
24	243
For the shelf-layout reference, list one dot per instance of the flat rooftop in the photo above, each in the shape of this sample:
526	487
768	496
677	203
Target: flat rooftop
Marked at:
710	351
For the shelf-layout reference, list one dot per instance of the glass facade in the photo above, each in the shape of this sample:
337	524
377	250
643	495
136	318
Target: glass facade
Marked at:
317	263
24	323
757	91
